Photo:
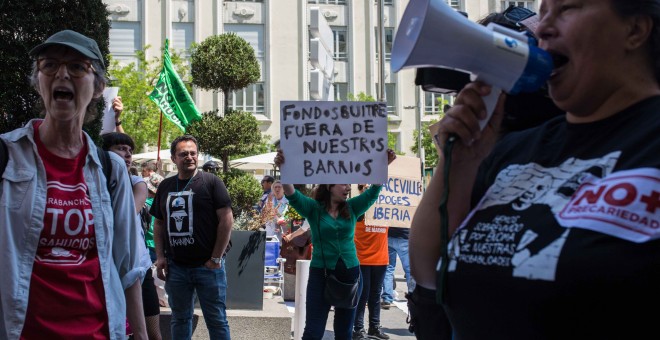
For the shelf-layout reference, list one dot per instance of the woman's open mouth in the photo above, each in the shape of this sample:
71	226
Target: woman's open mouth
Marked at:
62	94
559	61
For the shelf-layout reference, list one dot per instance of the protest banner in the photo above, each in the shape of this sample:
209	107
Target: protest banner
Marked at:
400	195
172	97
326	142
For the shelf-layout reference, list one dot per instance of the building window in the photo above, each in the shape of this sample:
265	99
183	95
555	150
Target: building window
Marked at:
125	39
327	2
390	96
455	4
434	103
244	0
389	40
341	92
385	2
249	99
253	34
526	4
183	35
183	26
339	39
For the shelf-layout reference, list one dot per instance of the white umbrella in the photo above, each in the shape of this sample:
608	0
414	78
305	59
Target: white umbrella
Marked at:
165	157
263	161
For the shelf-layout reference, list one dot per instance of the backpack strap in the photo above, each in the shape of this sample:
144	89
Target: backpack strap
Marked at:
103	157
4	157
106	164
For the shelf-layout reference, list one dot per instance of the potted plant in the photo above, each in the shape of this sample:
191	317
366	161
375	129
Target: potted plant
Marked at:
293	219
245	262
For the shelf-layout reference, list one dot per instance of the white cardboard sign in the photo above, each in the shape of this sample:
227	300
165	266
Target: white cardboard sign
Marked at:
109	94
327	142
400	195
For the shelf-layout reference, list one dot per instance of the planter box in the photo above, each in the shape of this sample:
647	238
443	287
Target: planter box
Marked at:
245	270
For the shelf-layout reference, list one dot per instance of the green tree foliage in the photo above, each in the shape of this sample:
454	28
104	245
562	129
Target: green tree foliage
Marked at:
264	146
244	190
430	153
235	133
141	116
361	97
25	24
224	62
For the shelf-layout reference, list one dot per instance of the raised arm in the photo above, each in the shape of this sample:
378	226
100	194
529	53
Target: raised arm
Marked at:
279	160
471	147
118	107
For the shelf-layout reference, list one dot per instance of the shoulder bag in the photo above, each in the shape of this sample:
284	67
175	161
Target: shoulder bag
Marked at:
338	293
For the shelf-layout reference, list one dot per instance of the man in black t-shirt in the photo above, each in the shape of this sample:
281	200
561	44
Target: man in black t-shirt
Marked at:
193	213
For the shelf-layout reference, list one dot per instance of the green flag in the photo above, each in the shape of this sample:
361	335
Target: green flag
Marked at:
171	95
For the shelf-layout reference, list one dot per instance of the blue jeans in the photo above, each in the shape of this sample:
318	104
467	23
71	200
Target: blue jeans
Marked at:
317	309
396	246
372	285
211	288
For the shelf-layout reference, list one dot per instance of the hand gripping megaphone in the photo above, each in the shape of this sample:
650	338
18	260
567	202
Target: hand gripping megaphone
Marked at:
432	34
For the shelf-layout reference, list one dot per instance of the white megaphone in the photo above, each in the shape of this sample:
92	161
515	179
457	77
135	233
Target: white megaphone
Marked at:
432	34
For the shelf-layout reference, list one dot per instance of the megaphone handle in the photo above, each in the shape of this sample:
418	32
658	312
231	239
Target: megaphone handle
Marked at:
490	101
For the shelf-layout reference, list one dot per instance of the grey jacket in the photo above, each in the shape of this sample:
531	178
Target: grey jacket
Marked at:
22	207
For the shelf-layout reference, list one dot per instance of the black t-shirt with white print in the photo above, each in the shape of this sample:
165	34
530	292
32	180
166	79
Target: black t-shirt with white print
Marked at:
188	211
565	242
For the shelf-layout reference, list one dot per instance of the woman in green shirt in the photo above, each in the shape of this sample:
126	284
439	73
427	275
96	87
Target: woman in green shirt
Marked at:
333	214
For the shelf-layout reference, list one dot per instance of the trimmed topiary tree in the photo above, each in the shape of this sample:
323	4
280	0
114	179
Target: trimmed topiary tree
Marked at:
237	132
244	190
224	62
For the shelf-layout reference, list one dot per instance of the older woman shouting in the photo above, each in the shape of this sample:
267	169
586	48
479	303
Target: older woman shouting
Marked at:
70	246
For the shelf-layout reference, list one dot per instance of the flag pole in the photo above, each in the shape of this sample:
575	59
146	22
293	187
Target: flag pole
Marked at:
160	131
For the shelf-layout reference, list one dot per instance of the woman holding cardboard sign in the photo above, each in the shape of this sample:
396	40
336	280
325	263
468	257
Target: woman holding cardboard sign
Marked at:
335	266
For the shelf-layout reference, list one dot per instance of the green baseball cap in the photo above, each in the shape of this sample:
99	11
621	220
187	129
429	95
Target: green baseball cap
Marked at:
74	40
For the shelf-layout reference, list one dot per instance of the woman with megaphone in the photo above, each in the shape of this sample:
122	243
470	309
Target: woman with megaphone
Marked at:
554	232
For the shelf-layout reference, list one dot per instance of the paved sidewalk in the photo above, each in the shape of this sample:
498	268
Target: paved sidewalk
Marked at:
393	321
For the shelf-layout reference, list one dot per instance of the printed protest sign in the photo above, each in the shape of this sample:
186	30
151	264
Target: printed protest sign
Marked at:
399	196
333	142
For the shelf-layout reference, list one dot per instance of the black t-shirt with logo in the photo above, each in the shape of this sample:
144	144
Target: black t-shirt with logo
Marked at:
565	242
188	211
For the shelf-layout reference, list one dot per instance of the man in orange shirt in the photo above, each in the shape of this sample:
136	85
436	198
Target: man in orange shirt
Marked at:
371	246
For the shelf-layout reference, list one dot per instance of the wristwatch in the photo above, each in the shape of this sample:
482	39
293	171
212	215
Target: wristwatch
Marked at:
117	123
216	260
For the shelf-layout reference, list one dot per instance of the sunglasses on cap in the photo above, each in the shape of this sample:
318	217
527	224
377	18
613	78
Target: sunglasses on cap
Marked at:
514	15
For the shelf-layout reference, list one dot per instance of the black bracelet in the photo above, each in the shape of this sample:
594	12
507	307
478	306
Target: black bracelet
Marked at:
118	123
